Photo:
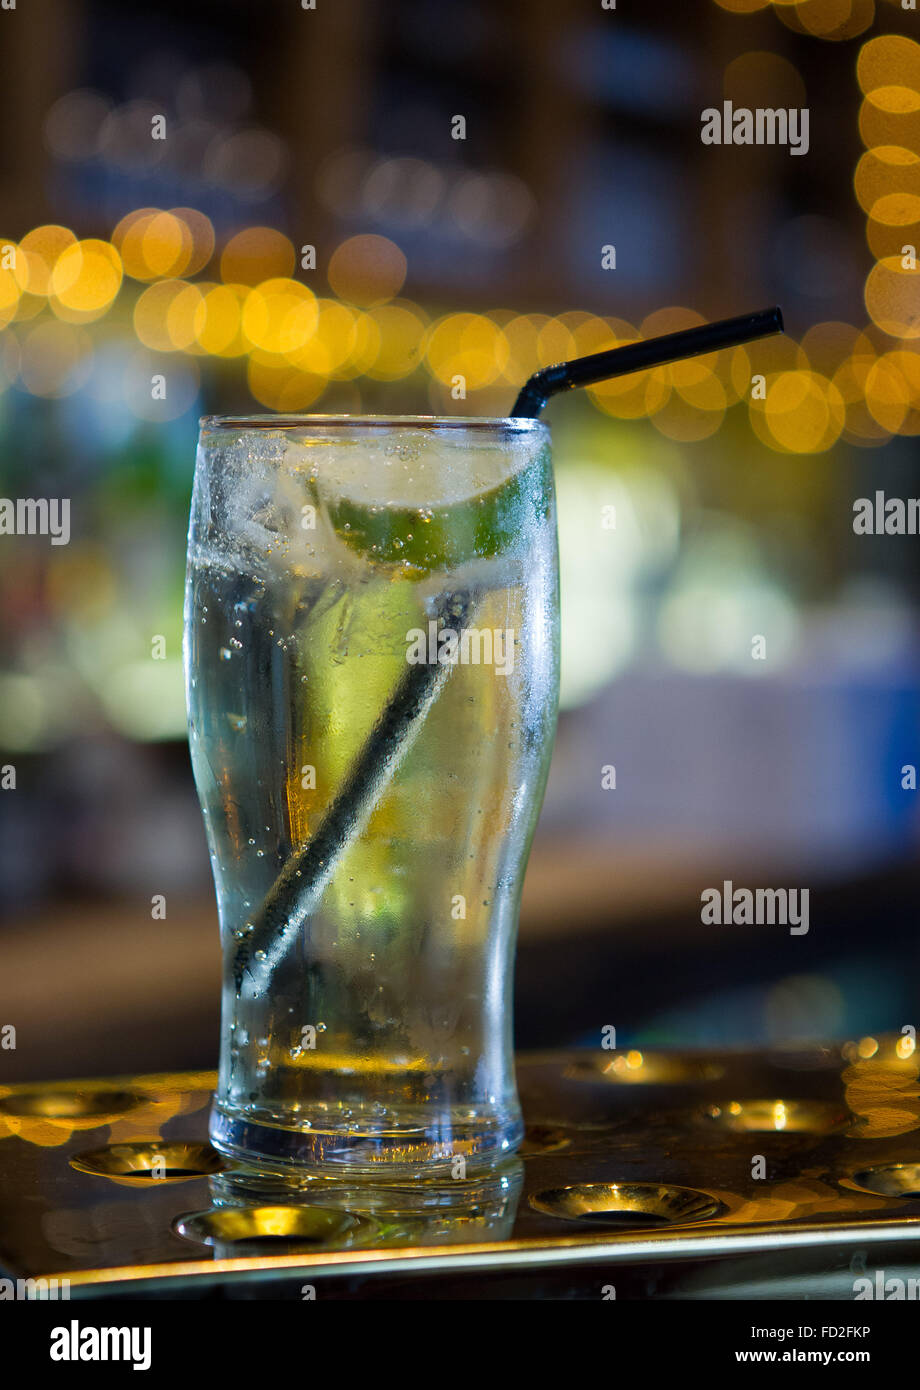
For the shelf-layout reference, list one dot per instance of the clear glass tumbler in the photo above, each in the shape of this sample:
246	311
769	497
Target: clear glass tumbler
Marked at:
372	676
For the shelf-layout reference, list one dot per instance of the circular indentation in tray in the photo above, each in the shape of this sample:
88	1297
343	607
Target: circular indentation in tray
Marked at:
69	1105
777	1116
627	1205
890	1180
150	1162
246	1229
636	1068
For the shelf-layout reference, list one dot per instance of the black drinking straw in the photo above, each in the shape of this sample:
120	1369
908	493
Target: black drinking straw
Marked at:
636	357
296	892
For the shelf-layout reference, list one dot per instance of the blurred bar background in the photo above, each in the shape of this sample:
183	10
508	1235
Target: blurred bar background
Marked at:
308	235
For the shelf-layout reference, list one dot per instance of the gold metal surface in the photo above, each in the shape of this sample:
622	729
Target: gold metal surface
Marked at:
79	1197
100	1106
645	1068
634	1205
149	1162
778	1116
290	1228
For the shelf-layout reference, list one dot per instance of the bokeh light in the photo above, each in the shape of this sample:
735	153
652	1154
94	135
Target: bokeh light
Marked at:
803	412
279	315
256	254
42	248
887	61
166	316
763	79
827	19
219	320
367	270
470	346
893	392
14	276
893	298
278	385
86	278
401	330
743	6
883	172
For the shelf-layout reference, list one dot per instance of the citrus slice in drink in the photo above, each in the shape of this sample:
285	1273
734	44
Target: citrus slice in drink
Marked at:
407	506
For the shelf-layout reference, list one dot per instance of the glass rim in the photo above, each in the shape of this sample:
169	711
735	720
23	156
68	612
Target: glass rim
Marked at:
513	424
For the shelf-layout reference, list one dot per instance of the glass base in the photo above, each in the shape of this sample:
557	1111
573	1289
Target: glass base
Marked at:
453	1144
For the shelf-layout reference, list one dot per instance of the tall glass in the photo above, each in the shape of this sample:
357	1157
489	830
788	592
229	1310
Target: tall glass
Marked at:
372	673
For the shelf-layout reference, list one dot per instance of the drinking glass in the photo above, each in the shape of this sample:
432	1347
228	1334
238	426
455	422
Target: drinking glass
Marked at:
371	658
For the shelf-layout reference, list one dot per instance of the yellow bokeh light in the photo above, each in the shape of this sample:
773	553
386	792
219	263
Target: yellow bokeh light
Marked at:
896	209
150	314
86	278
470	346
367	270
327	350
781	353
850	380
636	395
280	315
893	392
182	318
42	247
14	276
555	343
830	19
401	332
165	245
885	170
889	60
219	320
878	127
892	296
201	233
690	371
522	335
896	100
165	316
154	244
591	334
257	254
826	346
803	412
885	240
743	6
365	347
276	384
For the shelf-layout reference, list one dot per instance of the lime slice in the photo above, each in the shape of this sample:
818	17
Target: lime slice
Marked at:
448	532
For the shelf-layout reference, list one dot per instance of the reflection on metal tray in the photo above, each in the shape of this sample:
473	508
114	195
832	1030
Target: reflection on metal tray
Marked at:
790	1173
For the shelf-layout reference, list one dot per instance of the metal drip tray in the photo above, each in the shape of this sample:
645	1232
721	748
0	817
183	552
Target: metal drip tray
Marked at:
673	1174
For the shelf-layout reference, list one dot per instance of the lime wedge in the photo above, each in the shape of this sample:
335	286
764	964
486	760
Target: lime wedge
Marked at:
446	534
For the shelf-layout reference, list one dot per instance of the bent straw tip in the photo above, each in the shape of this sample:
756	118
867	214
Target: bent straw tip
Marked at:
774	316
